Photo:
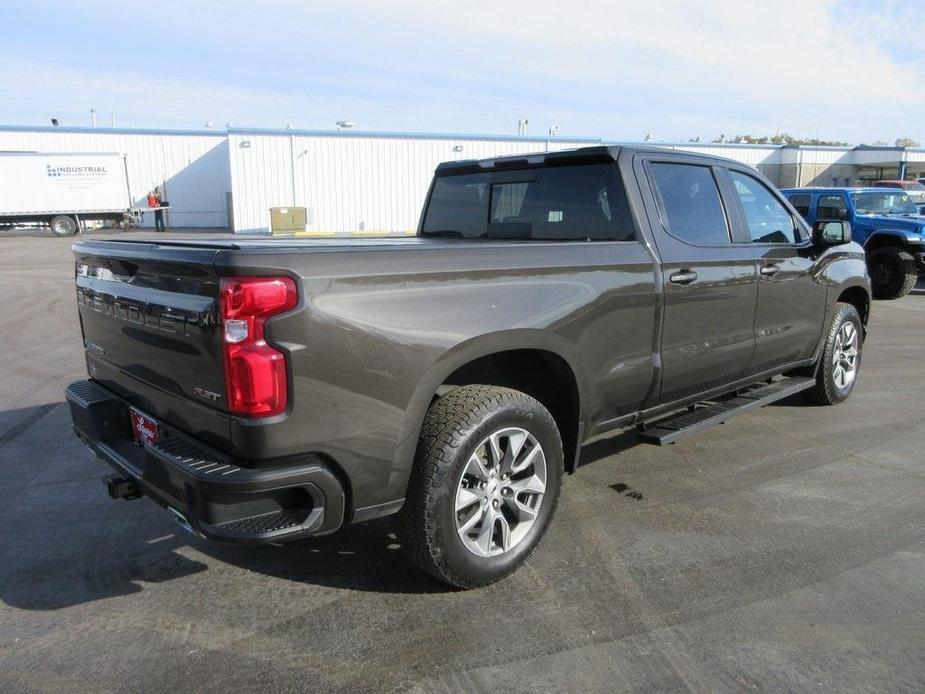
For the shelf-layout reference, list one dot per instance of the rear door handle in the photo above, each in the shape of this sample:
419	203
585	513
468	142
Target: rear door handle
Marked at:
683	277
770	270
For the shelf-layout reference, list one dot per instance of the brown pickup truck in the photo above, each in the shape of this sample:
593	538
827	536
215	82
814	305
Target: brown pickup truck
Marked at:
267	389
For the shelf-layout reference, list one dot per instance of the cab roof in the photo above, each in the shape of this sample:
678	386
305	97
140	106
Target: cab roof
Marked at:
583	155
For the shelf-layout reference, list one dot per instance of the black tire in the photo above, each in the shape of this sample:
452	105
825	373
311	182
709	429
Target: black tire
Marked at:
455	427
892	271
827	390
63	225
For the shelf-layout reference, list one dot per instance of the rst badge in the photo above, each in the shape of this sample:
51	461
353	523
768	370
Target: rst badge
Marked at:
207	394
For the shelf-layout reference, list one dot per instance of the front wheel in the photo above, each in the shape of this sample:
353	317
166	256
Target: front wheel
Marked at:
892	271
840	361
484	487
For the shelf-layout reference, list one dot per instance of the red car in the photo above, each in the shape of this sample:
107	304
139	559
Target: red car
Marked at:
914	189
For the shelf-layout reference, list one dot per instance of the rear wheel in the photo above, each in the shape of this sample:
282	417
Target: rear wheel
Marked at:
892	271
63	225
840	361
485	485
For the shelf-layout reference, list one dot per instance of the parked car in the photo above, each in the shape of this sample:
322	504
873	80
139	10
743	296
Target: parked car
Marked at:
268	390
914	189
884	221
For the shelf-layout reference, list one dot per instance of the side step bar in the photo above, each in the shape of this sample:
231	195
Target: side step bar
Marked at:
677	426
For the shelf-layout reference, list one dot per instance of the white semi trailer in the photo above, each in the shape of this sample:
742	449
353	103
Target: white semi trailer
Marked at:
63	191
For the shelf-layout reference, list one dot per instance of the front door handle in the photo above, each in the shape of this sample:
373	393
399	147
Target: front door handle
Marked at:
770	270
683	277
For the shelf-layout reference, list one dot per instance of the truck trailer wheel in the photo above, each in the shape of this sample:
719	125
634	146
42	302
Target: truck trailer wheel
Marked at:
484	487
63	225
892	271
840	361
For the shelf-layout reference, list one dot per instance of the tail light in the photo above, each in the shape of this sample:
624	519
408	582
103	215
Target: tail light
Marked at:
255	372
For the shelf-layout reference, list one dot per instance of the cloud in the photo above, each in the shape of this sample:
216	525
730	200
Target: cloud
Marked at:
617	69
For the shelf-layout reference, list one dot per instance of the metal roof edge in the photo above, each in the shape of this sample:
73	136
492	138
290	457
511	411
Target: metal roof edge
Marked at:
730	145
111	131
410	135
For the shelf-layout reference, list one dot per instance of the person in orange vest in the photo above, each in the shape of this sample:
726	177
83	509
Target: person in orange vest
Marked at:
154	200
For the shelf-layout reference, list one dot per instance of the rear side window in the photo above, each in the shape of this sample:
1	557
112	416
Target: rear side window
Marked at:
565	203
800	203
692	209
832	207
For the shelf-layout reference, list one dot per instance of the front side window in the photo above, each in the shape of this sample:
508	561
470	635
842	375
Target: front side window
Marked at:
832	207
568	203
690	202
768	220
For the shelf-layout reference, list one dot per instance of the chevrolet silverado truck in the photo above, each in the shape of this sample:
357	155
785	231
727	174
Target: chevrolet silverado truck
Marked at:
885	222
264	390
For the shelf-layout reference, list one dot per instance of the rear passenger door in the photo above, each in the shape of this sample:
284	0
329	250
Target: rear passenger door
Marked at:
791	300
709	282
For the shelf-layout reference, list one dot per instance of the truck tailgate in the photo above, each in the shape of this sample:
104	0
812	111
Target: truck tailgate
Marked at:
148	312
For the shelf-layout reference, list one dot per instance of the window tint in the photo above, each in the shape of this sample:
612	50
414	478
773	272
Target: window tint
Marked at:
768	220
569	202
800	203
690	202
556	203
832	207
458	206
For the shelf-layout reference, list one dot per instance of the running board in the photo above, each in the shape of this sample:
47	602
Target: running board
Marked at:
675	427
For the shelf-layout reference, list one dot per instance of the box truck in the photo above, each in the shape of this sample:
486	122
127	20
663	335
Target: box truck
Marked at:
63	191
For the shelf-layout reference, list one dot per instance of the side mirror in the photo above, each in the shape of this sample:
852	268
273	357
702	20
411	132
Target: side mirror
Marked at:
831	232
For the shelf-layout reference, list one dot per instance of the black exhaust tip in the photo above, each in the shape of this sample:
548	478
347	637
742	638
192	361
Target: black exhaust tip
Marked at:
121	488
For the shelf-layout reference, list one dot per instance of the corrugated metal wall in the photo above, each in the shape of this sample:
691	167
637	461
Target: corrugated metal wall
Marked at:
192	168
753	155
351	183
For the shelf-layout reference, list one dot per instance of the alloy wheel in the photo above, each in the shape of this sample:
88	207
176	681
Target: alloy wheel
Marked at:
500	492
845	356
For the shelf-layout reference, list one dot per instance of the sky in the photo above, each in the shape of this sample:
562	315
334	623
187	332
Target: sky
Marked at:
850	70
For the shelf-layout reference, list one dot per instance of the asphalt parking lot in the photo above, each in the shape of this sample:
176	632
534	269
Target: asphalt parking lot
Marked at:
784	551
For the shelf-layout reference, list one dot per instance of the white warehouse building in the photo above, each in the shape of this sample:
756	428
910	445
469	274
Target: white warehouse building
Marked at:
370	182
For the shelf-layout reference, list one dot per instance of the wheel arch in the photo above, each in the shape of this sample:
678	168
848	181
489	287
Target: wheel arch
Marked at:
885	237
508	359
858	296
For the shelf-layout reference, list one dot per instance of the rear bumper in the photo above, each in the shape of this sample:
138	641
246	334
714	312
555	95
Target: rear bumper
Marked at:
215	497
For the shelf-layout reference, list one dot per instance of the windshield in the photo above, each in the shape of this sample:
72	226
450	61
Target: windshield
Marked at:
883	203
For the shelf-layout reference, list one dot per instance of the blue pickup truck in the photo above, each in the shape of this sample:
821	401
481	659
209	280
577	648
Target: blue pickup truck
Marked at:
883	220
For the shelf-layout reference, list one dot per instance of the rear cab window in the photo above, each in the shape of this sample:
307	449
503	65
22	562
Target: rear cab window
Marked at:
558	203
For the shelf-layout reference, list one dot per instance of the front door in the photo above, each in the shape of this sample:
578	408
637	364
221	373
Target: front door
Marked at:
710	283
791	300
